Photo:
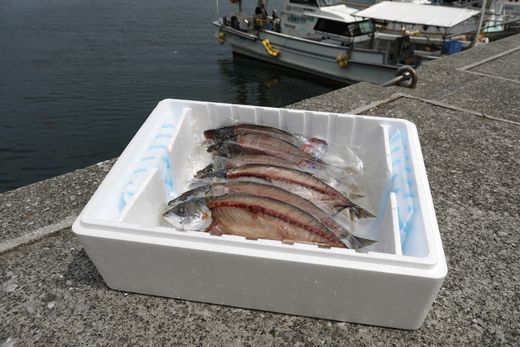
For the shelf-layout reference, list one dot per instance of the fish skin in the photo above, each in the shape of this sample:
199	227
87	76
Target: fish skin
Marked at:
223	163
242	160
273	192
220	134
263	145
265	218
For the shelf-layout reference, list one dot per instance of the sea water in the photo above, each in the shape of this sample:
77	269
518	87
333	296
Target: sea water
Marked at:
79	77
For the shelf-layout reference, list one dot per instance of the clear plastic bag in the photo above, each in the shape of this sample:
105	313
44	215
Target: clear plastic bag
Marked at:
313	146
187	211
347	184
271	163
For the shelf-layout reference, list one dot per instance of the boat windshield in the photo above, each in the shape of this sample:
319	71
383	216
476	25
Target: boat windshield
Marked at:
324	3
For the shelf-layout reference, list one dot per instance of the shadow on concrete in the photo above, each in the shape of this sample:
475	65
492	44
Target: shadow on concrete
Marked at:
81	270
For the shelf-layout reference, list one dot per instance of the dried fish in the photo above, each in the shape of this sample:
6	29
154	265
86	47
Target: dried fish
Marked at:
262	144
299	182
327	174
223	163
273	192
265	183
251	216
313	145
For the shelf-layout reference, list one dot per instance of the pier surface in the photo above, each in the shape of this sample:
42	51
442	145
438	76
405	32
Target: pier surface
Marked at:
467	111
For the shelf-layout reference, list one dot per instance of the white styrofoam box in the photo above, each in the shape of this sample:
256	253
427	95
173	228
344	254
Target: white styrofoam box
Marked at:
392	284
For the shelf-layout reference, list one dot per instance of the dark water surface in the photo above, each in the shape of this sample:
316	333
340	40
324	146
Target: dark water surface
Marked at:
78	77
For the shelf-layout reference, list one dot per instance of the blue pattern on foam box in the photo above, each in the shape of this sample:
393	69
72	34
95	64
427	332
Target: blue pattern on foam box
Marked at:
155	157
402	184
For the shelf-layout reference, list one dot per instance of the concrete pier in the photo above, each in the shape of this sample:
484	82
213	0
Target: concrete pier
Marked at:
467	111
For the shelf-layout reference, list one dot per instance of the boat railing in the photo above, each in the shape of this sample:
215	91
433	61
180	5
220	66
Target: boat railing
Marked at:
249	23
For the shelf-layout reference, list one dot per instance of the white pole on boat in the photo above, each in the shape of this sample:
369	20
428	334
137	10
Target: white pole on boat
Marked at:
477	33
217	8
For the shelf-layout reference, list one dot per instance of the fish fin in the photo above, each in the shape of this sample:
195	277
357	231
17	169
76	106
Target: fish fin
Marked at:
355	242
215	229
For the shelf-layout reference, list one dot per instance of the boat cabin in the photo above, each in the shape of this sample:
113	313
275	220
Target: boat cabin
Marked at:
324	20
318	20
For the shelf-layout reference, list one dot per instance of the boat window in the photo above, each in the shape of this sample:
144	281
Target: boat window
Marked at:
364	28
361	28
324	3
304	2
332	26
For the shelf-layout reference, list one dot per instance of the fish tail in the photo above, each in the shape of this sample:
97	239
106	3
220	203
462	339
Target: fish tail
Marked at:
354	242
354	211
360	212
364	242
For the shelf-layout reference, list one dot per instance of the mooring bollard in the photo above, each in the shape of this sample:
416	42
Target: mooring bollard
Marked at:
405	74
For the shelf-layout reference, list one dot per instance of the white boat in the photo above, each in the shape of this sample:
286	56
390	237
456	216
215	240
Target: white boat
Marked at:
502	17
510	8
432	30
327	39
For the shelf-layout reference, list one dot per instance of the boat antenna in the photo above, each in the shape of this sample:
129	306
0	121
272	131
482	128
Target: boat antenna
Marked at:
477	32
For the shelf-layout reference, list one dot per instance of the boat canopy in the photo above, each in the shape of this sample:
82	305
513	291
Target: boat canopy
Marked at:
340	13
409	13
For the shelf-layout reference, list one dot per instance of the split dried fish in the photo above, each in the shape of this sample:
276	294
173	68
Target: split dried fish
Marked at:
273	192
299	182
253	217
313	146
261	144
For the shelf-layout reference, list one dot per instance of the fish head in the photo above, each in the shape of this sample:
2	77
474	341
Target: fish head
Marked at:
228	148
197	192
219	135
315	147
209	174
211	134
192	214
214	148
205	172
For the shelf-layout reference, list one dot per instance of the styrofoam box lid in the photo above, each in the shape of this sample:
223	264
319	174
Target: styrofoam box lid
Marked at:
165	153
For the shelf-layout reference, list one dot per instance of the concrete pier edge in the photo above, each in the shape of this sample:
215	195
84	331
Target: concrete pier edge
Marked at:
467	111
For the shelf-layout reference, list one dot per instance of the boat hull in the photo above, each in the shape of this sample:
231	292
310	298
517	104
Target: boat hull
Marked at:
312	57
